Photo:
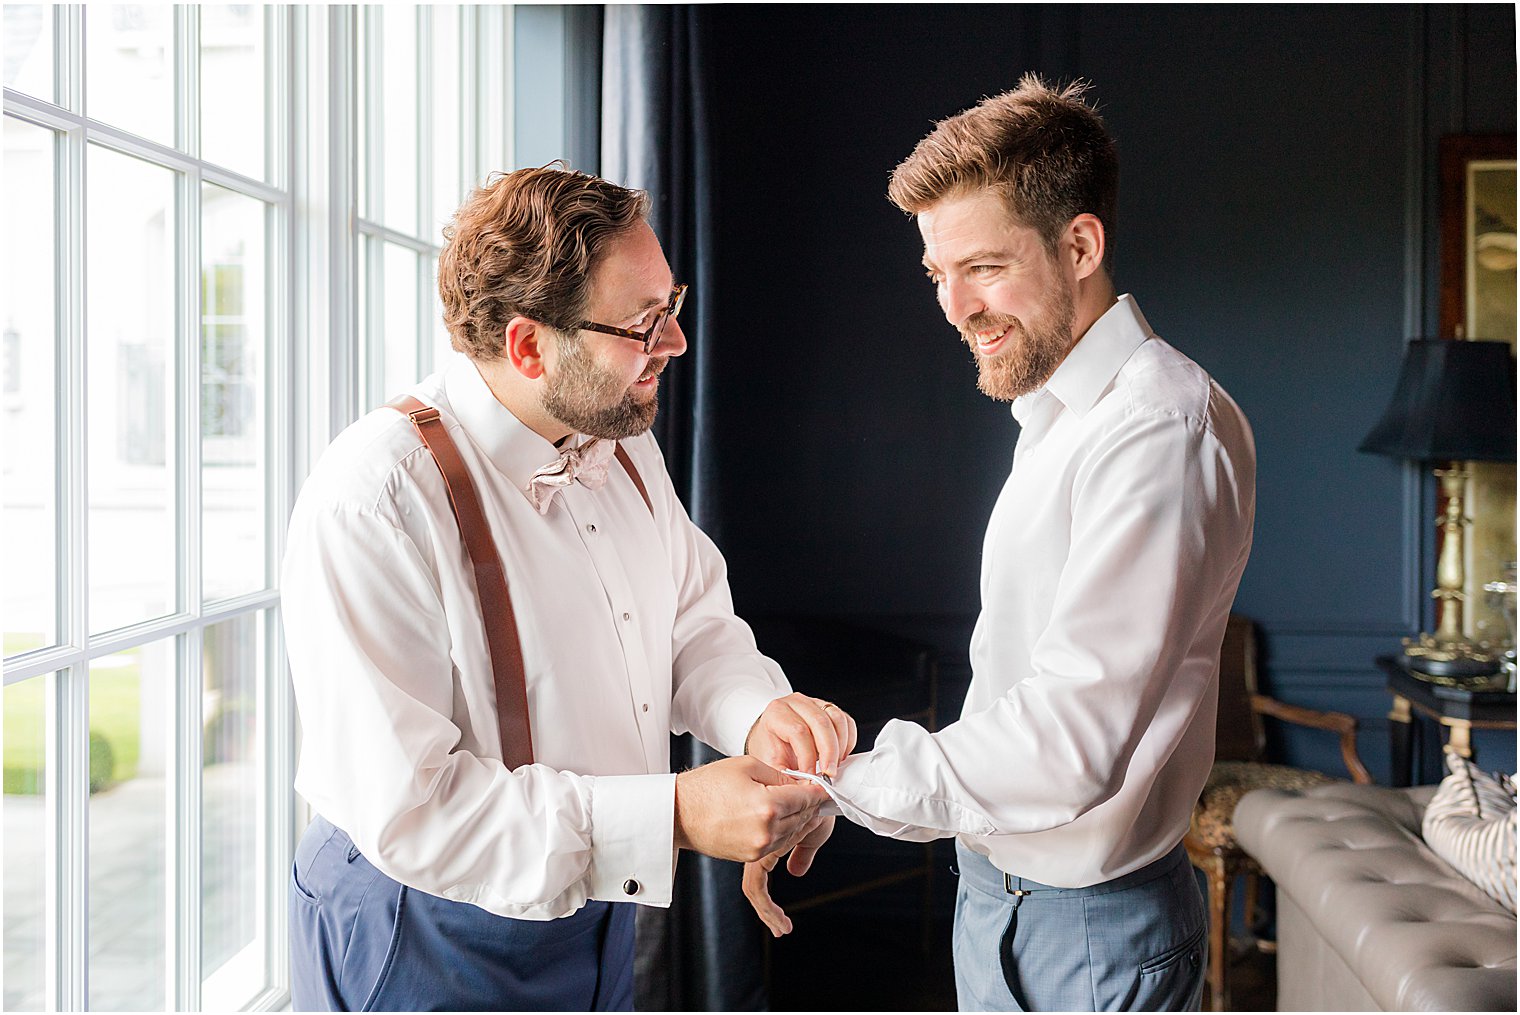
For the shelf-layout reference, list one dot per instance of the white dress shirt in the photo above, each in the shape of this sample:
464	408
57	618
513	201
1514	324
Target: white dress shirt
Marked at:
1110	563
628	633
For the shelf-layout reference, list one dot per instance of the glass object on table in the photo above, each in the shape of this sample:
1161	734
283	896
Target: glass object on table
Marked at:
1501	598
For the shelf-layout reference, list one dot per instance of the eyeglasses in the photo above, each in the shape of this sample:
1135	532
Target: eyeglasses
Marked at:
650	337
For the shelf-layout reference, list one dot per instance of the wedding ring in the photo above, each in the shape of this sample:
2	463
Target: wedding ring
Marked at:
828	705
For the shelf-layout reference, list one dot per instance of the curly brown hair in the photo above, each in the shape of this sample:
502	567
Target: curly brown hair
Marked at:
1044	149
526	244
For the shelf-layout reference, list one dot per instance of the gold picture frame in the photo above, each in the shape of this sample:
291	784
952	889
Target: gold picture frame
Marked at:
1478	272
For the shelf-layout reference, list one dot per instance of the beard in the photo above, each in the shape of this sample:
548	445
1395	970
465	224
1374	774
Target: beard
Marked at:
1033	352
585	397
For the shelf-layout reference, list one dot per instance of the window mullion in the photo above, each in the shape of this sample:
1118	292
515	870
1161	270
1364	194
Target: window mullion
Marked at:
68	56
343	340
423	349
469	99
503	88
371	251
68	713
182	883
273	847
185	837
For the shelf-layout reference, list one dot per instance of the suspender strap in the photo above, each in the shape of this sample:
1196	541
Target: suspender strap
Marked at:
633	474
490	577
490	583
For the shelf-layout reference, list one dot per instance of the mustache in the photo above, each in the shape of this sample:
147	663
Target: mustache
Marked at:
655	367
986	321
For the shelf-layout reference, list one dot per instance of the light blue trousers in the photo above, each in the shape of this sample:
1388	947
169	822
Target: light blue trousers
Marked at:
1137	943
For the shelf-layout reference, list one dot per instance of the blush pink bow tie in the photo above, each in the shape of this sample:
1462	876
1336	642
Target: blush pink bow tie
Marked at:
586	464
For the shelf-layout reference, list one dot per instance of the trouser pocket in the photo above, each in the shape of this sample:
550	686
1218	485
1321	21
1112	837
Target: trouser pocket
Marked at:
343	919
1173	980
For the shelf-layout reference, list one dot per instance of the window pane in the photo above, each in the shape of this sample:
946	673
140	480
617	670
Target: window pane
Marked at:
232	953
442	349
29	504
233	87
25	842
130	752
400	321
366	98
130	374
444	121
399	116
29	52
129	68
234	381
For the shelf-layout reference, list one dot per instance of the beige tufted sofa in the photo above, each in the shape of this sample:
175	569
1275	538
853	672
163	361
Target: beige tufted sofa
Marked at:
1368	918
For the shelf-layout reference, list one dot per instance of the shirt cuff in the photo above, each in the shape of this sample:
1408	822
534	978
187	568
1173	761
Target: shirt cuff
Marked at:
633	855
737	716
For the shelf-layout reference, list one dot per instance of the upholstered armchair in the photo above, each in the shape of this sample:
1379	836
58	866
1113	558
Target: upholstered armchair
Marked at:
1238	769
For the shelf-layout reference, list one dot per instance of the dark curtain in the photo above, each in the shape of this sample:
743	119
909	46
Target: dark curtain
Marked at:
705	952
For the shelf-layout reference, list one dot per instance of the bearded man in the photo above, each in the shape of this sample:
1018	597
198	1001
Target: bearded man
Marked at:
489	760
1109	567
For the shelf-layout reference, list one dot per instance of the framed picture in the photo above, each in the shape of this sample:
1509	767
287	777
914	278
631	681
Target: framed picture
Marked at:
1478	259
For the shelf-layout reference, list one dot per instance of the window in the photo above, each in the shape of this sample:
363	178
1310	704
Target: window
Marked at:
221	230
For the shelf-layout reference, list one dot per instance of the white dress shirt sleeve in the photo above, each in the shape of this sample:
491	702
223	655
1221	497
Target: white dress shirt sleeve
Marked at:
1155	523
720	680
382	759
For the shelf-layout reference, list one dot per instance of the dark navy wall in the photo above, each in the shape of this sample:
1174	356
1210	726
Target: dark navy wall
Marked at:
1277	223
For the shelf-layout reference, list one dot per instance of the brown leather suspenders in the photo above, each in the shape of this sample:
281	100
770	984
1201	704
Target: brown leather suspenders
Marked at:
490	577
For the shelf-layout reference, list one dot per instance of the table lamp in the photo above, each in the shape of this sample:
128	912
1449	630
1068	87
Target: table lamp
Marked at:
1455	402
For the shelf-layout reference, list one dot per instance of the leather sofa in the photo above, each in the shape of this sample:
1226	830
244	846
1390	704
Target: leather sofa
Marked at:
1368	918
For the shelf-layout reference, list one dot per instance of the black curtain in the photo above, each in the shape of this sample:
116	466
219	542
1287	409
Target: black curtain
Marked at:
705	952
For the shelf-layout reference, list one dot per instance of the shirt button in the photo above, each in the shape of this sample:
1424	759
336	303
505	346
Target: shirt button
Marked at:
646	706
627	616
630	887
591	529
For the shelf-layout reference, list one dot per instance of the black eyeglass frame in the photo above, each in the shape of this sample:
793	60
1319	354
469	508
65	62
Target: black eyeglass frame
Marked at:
651	336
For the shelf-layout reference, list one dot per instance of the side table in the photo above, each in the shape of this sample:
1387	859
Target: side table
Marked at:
1460	709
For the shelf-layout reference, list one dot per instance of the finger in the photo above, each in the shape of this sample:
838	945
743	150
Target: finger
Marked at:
774	751
789	830
790	727
764	774
844	729
801	858
757	890
825	736
796	797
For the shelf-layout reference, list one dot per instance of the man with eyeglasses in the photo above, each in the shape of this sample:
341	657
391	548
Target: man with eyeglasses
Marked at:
489	759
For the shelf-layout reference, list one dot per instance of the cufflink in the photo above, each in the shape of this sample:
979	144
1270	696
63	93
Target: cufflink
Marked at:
630	887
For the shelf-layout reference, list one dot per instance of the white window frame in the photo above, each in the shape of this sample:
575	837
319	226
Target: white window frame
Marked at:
314	389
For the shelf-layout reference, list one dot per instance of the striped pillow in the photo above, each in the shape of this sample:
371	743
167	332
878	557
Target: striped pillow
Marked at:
1470	824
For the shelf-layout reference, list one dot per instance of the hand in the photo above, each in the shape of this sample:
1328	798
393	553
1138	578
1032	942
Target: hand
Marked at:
742	809
802	733
757	875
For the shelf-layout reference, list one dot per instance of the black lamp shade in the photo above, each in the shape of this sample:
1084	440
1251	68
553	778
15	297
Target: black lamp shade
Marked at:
1455	400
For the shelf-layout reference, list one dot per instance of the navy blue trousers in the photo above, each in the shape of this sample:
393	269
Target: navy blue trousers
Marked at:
360	941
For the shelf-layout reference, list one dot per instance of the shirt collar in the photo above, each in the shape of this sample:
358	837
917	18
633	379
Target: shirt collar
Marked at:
504	439
1094	361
